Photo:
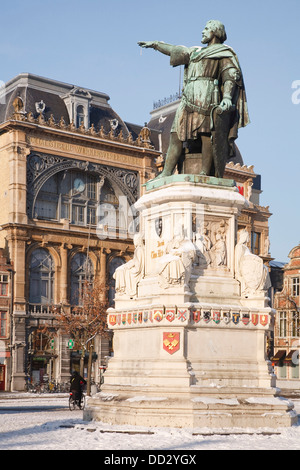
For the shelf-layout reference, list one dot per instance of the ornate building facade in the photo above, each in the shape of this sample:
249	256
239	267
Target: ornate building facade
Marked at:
71	170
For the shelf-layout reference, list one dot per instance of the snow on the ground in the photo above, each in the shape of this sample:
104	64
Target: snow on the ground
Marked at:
33	422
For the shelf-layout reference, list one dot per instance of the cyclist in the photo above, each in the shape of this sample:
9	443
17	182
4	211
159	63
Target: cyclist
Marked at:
77	383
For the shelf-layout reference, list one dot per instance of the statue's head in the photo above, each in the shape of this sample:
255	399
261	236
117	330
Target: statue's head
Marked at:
214	28
138	239
243	236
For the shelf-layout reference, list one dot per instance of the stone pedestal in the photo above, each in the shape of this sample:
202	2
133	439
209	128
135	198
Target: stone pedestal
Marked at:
189	345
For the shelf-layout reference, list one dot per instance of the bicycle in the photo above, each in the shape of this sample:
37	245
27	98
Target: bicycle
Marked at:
75	402
29	387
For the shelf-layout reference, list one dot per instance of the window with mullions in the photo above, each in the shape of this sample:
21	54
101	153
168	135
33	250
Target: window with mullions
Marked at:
80	115
282	324
41	277
71	195
3	324
3	284
82	272
295	286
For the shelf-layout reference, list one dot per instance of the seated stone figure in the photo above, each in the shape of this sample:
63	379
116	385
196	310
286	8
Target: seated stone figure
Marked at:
249	268
176	265
129	274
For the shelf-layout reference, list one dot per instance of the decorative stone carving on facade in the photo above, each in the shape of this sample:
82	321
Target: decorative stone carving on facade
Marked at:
40	167
21	115
210	243
128	275
249	268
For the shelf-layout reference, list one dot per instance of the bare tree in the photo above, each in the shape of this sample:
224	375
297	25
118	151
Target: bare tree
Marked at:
84	322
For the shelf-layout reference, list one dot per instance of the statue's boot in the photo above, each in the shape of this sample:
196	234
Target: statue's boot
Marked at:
172	157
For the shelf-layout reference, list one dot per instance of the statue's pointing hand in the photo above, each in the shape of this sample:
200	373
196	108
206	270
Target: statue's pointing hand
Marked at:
146	44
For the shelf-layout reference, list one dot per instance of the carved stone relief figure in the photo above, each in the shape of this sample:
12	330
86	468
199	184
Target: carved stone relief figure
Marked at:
218	251
129	274
210	242
249	268
176	265
203	245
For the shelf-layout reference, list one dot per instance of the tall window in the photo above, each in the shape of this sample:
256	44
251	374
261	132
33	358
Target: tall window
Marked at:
3	284
295	286
295	324
3	324
282	324
41	277
38	341
255	243
82	271
80	115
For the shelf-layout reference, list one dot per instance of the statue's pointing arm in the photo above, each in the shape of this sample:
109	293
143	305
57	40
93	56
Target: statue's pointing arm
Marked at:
158	46
179	55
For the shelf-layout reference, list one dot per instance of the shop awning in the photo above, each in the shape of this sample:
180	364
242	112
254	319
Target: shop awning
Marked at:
279	355
291	356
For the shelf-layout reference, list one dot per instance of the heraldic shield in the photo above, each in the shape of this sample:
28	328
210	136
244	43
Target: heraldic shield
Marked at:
171	342
220	122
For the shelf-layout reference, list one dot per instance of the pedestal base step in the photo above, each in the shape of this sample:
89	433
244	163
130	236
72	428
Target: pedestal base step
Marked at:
191	411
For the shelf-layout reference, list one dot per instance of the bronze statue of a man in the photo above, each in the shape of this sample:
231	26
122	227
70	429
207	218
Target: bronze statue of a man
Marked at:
213	104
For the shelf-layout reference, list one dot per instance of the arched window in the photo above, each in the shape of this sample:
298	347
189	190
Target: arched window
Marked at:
41	277
82	271
75	196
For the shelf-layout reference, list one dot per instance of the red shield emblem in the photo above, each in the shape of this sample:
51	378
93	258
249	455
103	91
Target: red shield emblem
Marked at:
158	315
112	320
245	319
129	318
171	342
254	318
170	314
264	319
196	315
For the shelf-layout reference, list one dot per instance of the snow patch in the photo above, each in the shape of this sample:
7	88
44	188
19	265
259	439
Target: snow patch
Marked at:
145	398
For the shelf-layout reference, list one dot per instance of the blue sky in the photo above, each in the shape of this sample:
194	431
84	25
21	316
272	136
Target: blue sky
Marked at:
93	44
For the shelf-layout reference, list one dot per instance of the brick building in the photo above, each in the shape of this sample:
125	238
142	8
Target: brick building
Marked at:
287	325
6	276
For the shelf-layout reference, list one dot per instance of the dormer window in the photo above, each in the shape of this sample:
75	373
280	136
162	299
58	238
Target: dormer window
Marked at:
78	104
